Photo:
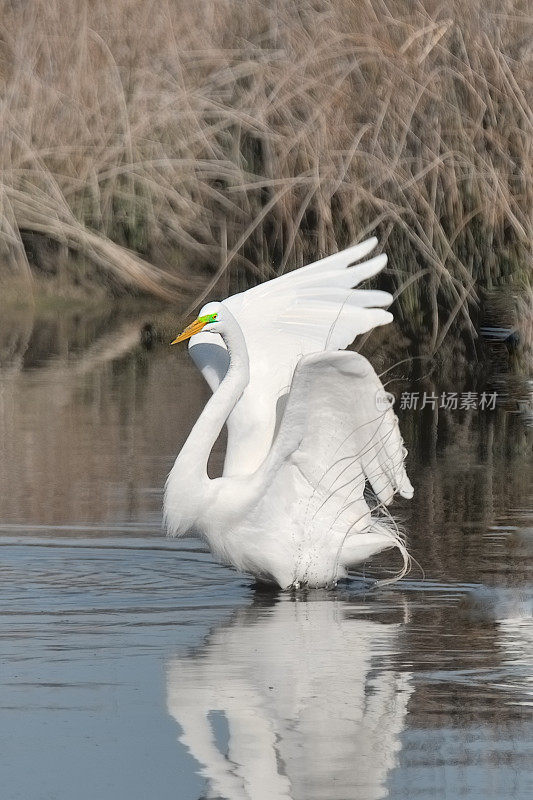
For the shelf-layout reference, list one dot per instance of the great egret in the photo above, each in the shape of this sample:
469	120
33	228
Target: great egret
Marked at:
307	427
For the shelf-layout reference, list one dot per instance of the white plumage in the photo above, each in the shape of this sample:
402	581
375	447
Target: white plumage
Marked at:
307	427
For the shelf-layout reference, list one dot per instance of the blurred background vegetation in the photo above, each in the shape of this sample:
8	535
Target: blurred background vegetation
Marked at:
173	148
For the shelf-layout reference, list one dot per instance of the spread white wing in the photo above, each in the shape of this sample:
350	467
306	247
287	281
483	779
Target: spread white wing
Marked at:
309	310
341	431
338	432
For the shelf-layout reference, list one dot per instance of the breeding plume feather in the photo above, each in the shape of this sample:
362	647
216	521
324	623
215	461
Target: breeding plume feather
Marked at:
309	425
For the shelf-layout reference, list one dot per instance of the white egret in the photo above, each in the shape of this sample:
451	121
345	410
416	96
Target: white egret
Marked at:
307	427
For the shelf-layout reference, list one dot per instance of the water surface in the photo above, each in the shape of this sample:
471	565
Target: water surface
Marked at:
135	667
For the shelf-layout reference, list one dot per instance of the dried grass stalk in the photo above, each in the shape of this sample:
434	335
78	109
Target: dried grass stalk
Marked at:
244	138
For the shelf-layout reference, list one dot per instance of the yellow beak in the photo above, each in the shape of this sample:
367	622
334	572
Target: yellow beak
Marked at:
190	330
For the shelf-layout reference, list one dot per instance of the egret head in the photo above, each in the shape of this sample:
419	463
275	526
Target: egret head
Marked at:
209	321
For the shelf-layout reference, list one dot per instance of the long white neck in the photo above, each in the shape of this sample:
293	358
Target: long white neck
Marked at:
218	408
188	478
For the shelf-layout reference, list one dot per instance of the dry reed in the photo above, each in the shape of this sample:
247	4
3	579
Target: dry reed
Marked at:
239	139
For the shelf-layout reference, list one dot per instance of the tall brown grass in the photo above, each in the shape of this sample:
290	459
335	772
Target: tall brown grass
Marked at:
241	138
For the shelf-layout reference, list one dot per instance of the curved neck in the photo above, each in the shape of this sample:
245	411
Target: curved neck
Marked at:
196	450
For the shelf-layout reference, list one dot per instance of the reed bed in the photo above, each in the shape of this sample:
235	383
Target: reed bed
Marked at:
227	141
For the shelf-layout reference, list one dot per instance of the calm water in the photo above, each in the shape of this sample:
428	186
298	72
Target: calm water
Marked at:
135	667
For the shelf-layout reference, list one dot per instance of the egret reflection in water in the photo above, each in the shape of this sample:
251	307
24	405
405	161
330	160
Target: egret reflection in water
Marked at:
295	700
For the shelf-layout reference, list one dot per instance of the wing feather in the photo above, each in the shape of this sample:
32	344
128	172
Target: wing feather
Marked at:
338	432
340	428
309	310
